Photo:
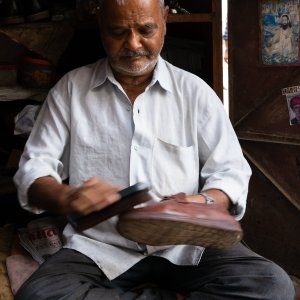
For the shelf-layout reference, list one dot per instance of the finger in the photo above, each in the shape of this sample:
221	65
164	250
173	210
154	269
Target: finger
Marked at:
91	197
93	181
108	200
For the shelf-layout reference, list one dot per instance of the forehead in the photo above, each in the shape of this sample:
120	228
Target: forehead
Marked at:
131	11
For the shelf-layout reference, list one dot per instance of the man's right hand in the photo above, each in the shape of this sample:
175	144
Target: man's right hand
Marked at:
93	195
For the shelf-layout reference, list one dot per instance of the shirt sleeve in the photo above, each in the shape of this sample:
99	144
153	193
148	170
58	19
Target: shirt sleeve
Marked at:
225	34
222	163
45	147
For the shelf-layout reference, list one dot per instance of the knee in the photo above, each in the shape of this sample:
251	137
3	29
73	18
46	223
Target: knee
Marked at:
278	285
28	292
24	294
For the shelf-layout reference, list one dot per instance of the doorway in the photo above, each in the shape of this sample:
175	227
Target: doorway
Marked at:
225	64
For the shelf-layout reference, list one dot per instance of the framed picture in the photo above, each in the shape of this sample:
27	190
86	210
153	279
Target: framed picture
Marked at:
293	103
279	32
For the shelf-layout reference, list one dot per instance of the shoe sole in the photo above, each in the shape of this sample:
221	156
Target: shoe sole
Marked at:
163	231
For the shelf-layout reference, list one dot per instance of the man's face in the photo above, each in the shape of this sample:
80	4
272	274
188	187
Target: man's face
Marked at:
133	35
296	110
284	20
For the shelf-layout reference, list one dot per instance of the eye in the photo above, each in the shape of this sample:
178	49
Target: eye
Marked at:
147	31
116	32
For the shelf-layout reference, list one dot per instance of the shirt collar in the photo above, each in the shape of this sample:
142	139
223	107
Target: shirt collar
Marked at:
162	75
103	72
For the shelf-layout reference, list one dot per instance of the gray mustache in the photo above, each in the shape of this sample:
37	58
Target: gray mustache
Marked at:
134	53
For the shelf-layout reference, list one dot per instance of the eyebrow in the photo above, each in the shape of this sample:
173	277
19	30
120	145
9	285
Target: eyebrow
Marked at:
148	25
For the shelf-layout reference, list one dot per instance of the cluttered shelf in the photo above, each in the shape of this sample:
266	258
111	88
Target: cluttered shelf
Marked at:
190	18
91	22
19	92
51	45
50	38
25	33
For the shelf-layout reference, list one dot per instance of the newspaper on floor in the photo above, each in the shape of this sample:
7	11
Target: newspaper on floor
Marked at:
41	238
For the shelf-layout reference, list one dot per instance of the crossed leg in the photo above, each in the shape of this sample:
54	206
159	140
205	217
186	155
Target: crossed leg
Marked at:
235	273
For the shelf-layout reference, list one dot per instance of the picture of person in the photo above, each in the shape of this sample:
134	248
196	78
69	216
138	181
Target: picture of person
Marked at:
281	45
279	32
295	107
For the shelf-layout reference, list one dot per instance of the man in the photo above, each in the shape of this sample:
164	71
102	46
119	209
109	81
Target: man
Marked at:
281	44
295	107
225	39
128	118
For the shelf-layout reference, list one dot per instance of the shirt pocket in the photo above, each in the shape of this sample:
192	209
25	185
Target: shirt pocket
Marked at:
174	169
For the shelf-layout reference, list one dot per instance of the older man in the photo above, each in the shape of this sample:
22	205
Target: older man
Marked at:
295	107
127	118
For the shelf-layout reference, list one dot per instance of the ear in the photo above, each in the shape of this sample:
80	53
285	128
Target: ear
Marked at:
165	16
166	12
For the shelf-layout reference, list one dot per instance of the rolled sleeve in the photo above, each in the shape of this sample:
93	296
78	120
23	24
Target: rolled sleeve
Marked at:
31	170
44	149
223	165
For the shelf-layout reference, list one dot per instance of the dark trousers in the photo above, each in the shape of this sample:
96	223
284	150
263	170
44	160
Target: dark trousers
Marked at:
235	273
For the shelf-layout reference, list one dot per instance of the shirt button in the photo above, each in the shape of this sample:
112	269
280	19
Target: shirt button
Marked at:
135	148
128	108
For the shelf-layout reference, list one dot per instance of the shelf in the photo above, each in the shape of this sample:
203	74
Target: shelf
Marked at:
51	39
69	26
12	93
48	39
190	18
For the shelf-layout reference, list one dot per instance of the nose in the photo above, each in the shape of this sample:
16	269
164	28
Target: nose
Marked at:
133	40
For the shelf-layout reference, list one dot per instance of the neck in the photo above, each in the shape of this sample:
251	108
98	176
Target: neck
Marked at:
133	81
133	85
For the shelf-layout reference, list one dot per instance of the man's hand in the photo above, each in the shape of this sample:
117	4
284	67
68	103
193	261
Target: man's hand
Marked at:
93	195
220	198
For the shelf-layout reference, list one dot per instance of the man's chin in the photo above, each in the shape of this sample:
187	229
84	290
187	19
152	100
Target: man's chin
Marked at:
134	70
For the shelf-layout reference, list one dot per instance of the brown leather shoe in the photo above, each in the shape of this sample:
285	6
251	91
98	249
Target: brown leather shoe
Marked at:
174	222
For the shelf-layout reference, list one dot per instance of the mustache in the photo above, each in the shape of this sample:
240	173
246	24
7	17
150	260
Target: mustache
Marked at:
130	53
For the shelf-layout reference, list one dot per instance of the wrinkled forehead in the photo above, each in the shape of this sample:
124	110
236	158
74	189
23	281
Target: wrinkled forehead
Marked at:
101	3
130	13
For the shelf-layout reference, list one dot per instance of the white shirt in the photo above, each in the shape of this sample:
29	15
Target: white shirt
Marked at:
176	137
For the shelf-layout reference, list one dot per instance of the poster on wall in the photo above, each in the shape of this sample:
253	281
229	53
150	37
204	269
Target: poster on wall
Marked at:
293	103
279	32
